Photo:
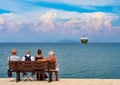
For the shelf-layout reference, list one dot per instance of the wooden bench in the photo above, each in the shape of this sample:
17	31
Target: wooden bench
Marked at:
32	66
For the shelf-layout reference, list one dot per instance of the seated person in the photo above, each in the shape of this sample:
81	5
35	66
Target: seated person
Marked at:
28	57
39	57
14	56
53	59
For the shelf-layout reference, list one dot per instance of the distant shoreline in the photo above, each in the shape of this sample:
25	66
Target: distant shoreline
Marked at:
52	42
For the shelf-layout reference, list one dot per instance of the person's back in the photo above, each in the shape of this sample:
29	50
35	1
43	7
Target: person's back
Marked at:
54	60
28	56
13	57
39	55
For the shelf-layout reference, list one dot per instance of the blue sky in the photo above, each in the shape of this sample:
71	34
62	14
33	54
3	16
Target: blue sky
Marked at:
55	20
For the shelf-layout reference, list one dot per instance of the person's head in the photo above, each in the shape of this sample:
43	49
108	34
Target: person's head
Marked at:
39	51
28	52
51	53
13	51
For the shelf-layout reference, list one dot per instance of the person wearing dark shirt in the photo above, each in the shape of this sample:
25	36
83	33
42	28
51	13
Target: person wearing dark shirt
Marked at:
40	76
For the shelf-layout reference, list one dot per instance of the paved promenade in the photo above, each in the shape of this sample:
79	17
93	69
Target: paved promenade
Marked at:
11	81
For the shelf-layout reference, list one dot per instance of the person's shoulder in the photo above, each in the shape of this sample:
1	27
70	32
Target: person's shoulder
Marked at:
16	56
10	57
32	56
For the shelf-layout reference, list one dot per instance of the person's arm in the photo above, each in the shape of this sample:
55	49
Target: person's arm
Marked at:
44	59
8	59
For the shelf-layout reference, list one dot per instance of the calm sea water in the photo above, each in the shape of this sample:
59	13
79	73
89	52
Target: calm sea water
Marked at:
93	60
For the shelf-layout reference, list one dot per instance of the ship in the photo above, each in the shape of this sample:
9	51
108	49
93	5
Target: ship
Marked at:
84	39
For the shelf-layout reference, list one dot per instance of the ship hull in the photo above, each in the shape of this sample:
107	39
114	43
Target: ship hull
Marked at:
84	41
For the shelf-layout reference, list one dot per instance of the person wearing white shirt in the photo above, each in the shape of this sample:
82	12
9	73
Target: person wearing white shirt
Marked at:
14	56
28	57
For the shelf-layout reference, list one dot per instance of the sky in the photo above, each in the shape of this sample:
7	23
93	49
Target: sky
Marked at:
59	20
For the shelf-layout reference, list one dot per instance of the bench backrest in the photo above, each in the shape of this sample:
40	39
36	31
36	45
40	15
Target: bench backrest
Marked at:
31	65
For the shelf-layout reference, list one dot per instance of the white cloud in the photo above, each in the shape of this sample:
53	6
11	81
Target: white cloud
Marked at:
86	22
2	20
1	23
60	22
107	23
44	22
12	22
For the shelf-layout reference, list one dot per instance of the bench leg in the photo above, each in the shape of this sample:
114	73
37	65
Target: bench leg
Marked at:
17	76
50	76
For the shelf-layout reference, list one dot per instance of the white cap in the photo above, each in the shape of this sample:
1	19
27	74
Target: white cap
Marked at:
51	53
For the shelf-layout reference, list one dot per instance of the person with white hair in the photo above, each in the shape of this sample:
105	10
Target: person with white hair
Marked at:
28	57
53	59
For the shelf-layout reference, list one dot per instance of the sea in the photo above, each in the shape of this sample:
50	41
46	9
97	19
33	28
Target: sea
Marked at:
75	60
